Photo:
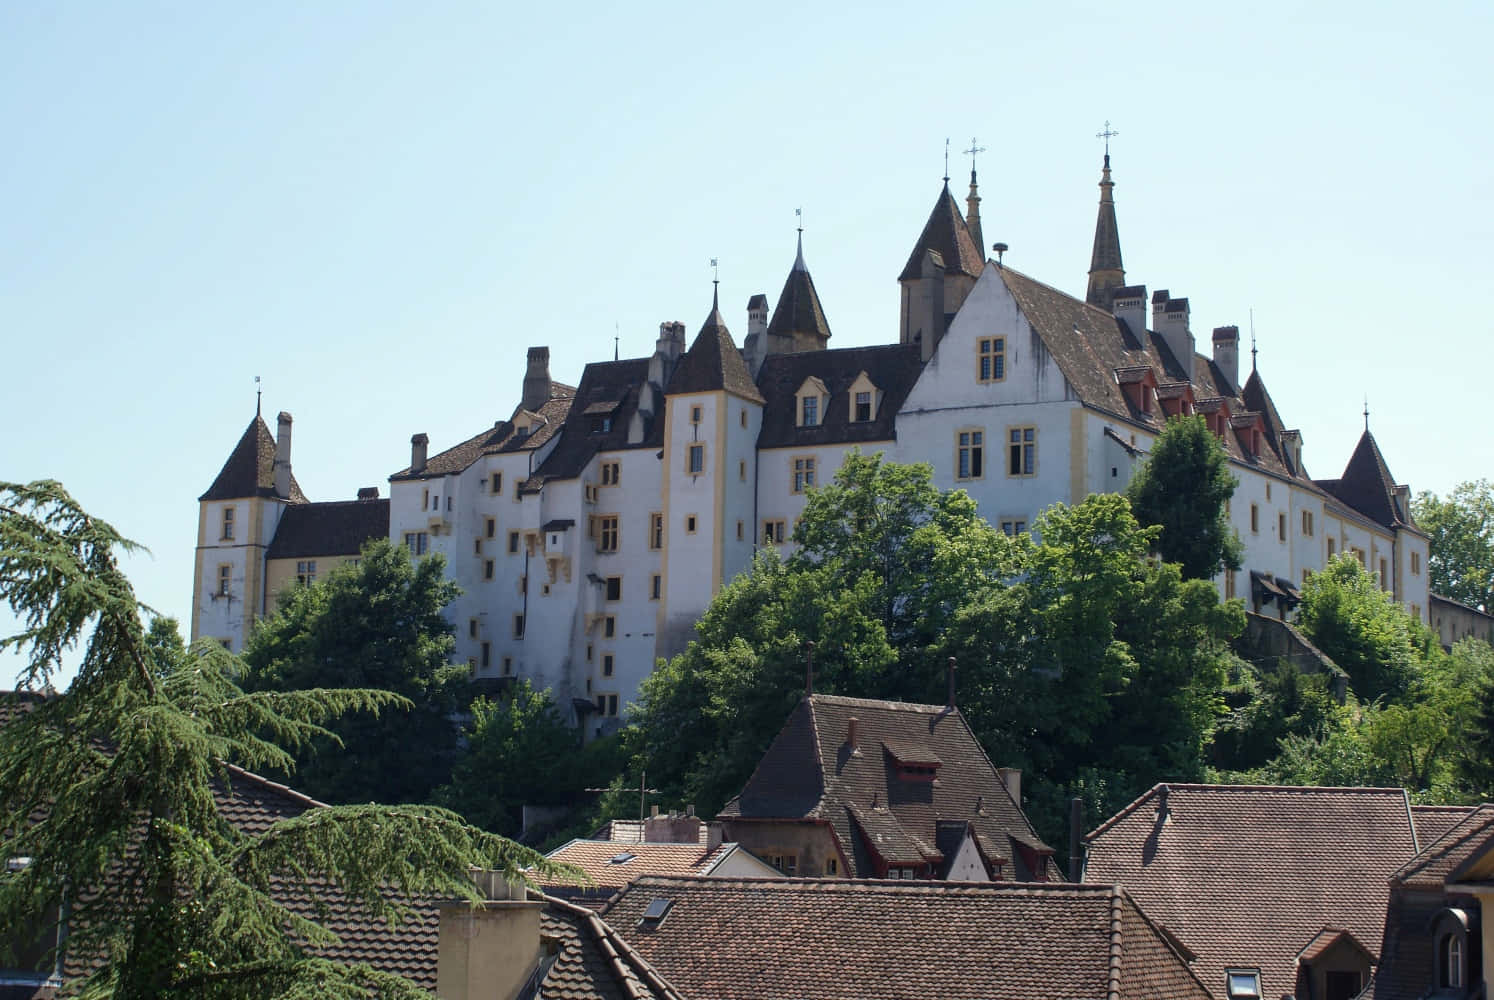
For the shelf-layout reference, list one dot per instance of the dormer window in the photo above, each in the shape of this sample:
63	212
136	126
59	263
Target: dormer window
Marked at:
1450	961
912	762
809	411
810	402
1243	984
1139	383
864	398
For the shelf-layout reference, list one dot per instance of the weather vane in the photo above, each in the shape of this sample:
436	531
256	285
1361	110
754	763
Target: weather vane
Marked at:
1106	135
946	159
256	395
799	217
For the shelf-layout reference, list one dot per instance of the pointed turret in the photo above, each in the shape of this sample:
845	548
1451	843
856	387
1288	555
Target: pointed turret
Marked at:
713	362
250	469
972	214
798	322
941	271
1106	273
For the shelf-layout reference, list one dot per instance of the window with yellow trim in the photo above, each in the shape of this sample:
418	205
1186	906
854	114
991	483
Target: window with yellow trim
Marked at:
774	532
227	534
991	359
1021	451
607	535
695	459
803	473
970	453
656	530
611	473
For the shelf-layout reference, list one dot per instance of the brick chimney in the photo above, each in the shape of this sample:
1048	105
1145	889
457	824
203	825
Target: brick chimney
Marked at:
283	455
489	953
851	734
1227	353
537	379
418	445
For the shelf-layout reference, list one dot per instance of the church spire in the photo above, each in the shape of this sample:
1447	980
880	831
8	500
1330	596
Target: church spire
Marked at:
972	201
1106	272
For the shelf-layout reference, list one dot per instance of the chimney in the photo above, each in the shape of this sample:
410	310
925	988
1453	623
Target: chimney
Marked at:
1129	304
1291	444
368	493
949	701
1011	777
667	351
283	455
537	380
1076	834
1170	322
1227	353
715	835
488	953
851	734
418	445
757	315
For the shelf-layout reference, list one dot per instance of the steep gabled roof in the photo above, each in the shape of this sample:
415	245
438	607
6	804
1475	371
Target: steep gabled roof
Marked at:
334	528
785	939
810	772
1368	487
713	362
594	962
1438	860
892	369
609	389
946	234
498	439
250	469
1434	821
799	309
611	865
1249	875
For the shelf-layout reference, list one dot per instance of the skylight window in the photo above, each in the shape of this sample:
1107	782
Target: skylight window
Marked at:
658	909
621	858
1243	984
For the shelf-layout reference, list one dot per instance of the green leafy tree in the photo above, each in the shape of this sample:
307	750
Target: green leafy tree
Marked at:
1184	488
1348	616
378	624
110	789
1461	560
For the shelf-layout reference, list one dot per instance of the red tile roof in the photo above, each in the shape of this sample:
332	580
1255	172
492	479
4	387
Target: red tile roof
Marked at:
1438	860
595	858
1249	875
816	939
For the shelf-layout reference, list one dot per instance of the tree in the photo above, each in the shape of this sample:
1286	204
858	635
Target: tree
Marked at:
1347	615
378	624
109	789
1461	561
1184	488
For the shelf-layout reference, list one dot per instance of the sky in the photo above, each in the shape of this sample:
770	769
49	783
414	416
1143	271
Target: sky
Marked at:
377	207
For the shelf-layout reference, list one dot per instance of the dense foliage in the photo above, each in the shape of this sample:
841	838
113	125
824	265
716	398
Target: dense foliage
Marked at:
1461	562
375	623
111	790
1184	489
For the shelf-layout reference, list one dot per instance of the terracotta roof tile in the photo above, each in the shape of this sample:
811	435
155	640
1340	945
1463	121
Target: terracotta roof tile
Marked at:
1437	860
593	962
1434	821
595	858
498	439
1249	875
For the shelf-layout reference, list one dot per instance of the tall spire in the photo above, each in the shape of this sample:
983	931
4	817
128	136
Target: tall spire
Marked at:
799	264
1106	272
972	201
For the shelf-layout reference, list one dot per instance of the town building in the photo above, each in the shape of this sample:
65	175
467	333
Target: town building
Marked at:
611	866
590	528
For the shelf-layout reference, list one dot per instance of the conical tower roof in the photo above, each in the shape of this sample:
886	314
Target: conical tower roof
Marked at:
1368	487
1106	272
713	362
947	235
799	312
250	469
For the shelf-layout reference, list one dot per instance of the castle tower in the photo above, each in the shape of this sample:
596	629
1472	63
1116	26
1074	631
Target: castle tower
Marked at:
236	520
1106	273
798	322
940	273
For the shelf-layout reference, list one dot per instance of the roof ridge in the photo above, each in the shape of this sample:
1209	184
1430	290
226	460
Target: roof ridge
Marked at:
1172	786
264	782
910	706
1113	991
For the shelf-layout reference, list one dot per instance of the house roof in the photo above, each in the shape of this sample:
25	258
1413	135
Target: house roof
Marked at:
733	939
799	309
811	772
594	962
1434	821
946	234
1440	859
892	369
609	390
611	865
498	439
713	362
334	528
1368	487
250	469
1249	875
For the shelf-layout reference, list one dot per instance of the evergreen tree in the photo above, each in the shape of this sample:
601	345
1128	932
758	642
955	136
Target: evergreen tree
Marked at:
109	789
1184	488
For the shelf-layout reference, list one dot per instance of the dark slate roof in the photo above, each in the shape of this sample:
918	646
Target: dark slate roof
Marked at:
335	528
1249	875
799	309
1106	255
786	939
608	388
892	369
498	439
250	469
810	772
713	362
946	234
1368	487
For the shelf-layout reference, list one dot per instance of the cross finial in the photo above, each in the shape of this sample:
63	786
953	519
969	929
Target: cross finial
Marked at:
616	339
971	152
946	159
257	394
1107	133
1366	412
1252	341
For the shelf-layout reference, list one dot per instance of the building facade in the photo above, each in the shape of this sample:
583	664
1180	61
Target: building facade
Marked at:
591	528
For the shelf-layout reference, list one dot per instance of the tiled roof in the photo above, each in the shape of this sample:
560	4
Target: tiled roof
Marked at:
810	771
334	528
1437	860
595	858
713	362
1249	875
946	234
593	961
498	439
799	309
836	939
250	469
1434	821
609	389
1368	487
892	369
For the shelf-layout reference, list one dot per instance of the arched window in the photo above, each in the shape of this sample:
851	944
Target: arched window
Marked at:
1450	961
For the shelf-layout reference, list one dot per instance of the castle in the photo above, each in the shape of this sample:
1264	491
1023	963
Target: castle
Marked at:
590	529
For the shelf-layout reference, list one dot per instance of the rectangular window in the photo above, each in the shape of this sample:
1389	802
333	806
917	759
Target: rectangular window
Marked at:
495	483
741	530
477	546
611	473
1013	526
1243	984
518	626
607	539
1330	548
695	414
656	530
1307	523
227	524
689	524
742	418
306	572
810	411
612	705
1358	553
742	470
607	663
862	411
508	666
425	499
773	532
472	628
513	541
1021	451
225	576
487	569
992	365
609	626
803	474
832	866
523	582
490	527
970	458
656	587
1268	492
1281	528
1255	518
695	459
487	654
1416	563
614	588
417	542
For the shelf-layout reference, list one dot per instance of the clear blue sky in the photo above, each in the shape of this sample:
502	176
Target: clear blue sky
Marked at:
377	207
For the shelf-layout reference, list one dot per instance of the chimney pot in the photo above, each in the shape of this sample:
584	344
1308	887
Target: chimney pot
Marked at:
368	493
283	455
949	702
537	379
1011	778
418	445
851	734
